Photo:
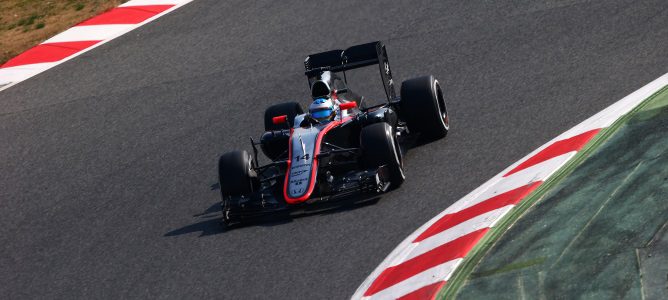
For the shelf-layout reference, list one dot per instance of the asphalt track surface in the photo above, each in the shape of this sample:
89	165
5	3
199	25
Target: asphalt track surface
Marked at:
107	162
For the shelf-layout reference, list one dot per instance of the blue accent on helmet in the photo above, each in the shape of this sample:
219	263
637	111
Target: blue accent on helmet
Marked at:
321	114
322	109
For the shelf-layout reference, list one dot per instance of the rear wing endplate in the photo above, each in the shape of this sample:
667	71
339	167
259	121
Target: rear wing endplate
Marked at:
352	58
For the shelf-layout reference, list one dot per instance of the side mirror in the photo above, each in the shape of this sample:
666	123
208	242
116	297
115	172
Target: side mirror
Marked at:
280	119
347	105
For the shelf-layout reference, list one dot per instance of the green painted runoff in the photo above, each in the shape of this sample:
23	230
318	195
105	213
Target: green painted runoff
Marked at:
599	233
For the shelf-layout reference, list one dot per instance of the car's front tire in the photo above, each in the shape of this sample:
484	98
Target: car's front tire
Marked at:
236	176
380	147
235	173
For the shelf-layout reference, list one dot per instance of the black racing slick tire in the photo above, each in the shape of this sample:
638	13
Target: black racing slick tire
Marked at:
380	147
423	108
236	174
291	109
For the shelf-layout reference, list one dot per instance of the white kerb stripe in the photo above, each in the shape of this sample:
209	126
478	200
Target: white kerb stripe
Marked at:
485	220
537	172
438	273
91	33
18	73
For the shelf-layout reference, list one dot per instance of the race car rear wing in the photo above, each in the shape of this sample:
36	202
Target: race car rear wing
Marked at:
352	58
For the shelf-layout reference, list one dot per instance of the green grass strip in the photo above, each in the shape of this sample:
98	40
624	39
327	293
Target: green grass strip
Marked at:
458	278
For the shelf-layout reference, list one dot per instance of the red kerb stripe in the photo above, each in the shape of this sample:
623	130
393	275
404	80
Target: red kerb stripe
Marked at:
454	249
126	15
50	52
558	148
426	292
450	220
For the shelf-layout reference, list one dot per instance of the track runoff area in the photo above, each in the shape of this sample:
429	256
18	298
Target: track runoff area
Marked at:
84	37
439	252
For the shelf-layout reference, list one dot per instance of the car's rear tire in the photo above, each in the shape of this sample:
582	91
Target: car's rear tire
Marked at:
236	174
423	108
291	109
380	147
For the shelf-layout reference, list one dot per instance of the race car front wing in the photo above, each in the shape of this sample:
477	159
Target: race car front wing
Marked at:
269	203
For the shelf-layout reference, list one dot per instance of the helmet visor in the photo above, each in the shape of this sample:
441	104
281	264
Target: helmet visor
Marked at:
321	114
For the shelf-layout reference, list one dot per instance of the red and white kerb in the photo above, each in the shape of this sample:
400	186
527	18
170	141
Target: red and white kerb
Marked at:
83	37
422	264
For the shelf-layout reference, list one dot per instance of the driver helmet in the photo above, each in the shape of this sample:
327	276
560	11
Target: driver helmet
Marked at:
322	109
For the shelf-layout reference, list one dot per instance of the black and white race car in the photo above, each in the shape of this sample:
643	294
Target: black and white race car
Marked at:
339	147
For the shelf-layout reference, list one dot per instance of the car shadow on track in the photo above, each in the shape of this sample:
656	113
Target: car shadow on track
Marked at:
209	222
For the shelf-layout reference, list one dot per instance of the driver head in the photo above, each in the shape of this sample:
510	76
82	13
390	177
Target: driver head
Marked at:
322	109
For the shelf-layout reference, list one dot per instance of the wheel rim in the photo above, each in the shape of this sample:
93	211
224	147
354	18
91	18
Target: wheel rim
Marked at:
250	170
397	153
226	211
442	108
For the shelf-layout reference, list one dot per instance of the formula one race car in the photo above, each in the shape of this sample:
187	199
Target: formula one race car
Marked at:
337	149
